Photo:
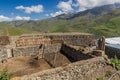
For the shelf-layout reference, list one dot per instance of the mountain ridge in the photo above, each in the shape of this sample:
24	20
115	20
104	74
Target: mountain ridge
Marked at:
103	20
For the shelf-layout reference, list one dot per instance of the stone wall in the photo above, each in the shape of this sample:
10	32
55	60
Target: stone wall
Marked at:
4	40
82	70
50	54
3	53
73	39
50	46
55	54
32	41
26	51
73	54
111	51
78	39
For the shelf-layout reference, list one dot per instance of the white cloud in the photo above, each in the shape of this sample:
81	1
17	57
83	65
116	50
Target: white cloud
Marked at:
47	15
20	7
22	18
57	13
65	6
87	4
4	18
36	9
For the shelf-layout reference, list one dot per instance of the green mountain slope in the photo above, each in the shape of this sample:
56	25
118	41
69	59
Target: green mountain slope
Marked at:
107	24
101	21
13	31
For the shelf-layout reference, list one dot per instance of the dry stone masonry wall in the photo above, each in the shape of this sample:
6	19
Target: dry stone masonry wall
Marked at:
32	41
26	51
54	48
4	40
112	52
78	39
74	54
82	70
50	52
3	53
48	46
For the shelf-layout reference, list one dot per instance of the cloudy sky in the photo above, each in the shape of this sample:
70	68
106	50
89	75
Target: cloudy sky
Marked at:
40	9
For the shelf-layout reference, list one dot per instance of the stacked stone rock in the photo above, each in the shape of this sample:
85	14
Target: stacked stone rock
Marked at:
32	41
112	51
77	39
4	40
3	53
84	70
49	45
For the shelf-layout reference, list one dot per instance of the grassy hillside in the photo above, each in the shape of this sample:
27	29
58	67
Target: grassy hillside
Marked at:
102	21
106	24
10	30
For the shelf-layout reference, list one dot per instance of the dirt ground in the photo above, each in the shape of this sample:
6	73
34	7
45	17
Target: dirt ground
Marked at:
20	66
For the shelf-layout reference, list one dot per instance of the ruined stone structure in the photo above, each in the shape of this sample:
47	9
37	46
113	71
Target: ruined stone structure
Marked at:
47	46
83	70
58	50
77	39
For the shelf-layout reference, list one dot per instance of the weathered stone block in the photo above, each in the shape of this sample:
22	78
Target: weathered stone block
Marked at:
98	52
26	51
4	40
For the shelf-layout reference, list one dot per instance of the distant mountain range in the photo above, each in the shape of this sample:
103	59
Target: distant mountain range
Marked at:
103	20
95	11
